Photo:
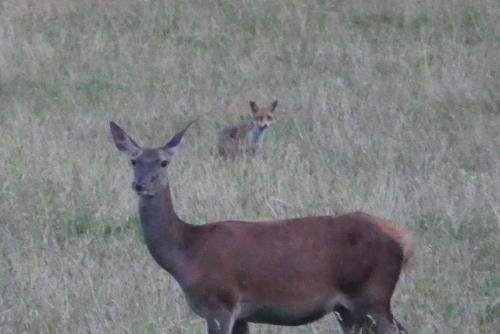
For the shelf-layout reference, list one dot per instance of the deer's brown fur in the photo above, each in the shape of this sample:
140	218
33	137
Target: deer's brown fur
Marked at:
285	272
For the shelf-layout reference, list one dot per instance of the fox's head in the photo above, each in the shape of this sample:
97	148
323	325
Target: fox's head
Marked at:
263	116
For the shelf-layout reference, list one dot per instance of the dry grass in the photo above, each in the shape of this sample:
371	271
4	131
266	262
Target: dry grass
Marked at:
385	106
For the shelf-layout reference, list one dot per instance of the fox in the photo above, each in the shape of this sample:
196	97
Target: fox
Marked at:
246	138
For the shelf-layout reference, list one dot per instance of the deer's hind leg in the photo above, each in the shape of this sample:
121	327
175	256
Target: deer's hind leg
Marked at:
241	327
222	324
383	324
374	301
349	318
376	316
223	319
366	315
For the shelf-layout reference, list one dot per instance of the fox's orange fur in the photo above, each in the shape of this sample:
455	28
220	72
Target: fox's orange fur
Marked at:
246	138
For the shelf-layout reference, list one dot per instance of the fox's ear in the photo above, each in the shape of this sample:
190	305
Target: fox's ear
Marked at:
254	107
123	141
274	105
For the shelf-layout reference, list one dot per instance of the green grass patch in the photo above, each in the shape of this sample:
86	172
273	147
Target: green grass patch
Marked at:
378	21
94	90
118	229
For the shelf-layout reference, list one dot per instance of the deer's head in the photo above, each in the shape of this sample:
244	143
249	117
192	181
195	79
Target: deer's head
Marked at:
150	164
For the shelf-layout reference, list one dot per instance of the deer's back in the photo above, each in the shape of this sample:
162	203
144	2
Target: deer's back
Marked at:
302	256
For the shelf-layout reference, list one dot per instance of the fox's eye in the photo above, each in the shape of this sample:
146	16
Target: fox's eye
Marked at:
132	162
164	163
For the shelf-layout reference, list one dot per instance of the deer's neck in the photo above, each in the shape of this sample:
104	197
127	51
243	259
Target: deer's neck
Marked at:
165	234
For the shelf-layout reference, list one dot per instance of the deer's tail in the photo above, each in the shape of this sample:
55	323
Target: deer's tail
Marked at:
400	235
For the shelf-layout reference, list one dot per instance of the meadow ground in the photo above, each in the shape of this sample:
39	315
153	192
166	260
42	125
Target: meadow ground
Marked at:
391	107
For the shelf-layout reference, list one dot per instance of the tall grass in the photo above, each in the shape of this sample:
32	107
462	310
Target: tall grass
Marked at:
388	107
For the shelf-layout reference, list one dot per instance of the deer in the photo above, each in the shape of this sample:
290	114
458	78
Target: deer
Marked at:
287	272
246	138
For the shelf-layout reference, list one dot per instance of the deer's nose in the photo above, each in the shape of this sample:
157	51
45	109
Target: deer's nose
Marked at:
137	186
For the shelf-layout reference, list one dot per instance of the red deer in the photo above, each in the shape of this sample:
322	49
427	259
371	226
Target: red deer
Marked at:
288	272
246	138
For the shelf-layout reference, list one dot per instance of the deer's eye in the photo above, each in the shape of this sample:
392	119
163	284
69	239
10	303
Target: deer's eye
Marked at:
164	163
132	162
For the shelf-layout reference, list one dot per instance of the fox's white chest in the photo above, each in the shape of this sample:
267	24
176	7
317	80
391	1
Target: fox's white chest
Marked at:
254	137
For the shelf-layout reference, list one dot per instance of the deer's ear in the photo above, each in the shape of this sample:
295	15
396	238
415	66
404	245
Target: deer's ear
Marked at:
172	146
254	107
123	142
274	105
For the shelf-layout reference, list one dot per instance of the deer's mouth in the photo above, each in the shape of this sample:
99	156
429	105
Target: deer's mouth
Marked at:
145	193
143	189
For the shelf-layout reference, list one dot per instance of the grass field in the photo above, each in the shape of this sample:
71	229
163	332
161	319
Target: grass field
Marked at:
390	107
